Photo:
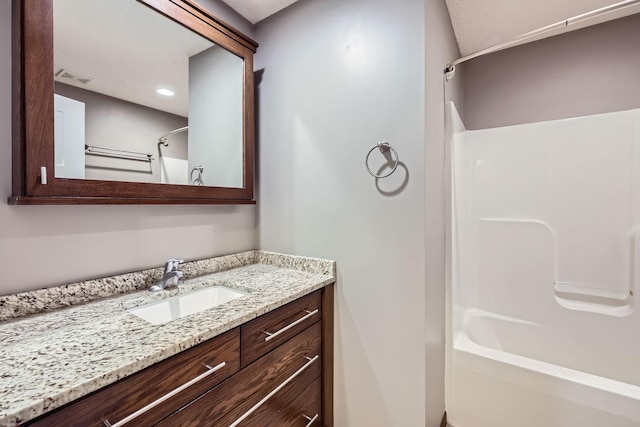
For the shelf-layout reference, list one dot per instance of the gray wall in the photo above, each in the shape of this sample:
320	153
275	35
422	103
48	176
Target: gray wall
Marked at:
216	86
46	245
113	123
339	76
441	48
588	71
225	13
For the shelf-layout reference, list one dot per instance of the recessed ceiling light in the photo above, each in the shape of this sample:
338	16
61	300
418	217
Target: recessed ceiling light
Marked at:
165	92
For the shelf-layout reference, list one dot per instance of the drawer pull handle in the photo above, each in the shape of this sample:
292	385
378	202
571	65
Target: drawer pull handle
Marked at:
311	420
310	362
309	314
167	396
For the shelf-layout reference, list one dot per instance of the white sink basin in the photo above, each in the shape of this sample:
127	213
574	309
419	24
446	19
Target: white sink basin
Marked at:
158	313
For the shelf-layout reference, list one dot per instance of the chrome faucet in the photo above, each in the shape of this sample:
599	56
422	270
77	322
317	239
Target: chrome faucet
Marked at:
171	277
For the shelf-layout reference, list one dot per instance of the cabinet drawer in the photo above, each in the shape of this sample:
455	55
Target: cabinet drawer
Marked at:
306	410
297	406
122	399
298	358
261	335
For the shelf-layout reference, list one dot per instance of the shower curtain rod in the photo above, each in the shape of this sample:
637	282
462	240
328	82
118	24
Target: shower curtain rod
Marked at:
163	139
450	70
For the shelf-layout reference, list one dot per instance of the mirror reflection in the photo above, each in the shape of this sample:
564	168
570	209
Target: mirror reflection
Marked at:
141	98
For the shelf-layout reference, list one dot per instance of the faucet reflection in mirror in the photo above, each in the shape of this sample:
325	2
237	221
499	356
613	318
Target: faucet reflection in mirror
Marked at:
196	175
109	59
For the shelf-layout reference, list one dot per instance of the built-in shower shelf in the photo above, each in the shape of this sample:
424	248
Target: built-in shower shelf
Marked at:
571	288
603	301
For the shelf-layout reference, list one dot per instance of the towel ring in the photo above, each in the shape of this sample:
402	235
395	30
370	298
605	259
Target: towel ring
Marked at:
383	146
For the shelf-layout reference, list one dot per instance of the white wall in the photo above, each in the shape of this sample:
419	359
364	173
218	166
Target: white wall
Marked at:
46	245
339	76
441	48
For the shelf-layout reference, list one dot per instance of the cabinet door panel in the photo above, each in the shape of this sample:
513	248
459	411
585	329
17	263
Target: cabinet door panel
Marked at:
117	401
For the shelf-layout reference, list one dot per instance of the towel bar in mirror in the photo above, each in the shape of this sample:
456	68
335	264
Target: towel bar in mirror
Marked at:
160	77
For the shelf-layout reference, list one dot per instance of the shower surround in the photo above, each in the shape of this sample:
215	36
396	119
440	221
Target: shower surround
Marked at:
543	328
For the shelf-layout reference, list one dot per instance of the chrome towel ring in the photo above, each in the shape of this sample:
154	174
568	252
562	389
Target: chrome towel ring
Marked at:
383	146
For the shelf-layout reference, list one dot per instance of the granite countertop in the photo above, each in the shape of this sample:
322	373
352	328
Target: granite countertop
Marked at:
59	344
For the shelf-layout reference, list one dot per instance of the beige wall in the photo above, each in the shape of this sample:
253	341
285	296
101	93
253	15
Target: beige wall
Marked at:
47	245
588	71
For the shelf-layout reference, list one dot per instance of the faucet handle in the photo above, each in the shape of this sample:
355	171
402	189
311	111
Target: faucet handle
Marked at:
172	265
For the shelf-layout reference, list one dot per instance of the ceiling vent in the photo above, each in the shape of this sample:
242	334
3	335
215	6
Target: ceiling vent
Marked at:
66	76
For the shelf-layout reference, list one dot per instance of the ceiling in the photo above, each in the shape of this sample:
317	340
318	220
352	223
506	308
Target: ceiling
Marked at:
479	24
127	50
257	10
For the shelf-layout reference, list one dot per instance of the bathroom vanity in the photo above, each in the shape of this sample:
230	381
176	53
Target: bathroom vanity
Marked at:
262	359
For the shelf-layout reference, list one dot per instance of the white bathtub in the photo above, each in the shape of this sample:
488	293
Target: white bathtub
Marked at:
506	374
543	327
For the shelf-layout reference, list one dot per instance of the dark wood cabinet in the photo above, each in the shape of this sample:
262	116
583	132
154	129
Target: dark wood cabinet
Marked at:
234	400
283	381
118	401
303	410
297	406
265	333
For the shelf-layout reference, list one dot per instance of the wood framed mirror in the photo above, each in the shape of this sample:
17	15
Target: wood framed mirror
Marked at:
92	122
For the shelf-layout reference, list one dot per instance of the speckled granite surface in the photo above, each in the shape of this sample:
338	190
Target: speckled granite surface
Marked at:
42	300
54	357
